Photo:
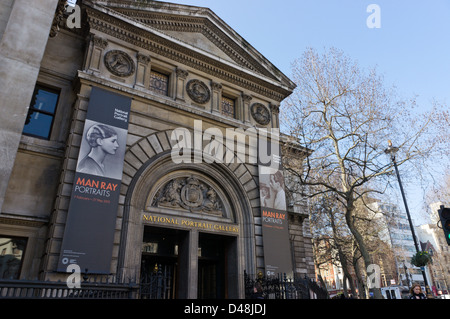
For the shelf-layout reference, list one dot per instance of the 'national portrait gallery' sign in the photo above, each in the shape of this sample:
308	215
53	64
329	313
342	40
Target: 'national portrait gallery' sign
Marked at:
274	217
89	232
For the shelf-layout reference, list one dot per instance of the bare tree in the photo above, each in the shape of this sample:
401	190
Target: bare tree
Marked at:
440	192
346	115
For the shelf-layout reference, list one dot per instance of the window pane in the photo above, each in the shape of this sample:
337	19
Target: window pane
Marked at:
45	101
41	112
228	107
11	256
159	83
39	124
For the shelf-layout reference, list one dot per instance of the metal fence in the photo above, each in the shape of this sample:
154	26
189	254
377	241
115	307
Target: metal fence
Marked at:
156	285
25	289
282	287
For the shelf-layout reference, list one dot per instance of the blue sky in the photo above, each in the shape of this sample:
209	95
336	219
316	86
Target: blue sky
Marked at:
411	48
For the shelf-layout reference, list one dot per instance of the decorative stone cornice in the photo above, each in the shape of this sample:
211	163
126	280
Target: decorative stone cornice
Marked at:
203	26
197	19
22	221
137	35
57	19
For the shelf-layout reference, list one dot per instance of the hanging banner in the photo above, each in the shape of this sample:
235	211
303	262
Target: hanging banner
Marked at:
275	227
89	232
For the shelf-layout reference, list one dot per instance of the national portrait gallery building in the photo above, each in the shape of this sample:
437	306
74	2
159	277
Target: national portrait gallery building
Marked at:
143	134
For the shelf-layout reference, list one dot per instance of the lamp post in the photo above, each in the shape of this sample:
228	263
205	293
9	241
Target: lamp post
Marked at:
392	150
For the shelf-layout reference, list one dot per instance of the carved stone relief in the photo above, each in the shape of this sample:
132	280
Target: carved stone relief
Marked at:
198	91
260	114
191	194
119	63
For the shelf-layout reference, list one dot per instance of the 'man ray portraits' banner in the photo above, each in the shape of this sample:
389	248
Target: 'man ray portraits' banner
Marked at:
275	227
89	232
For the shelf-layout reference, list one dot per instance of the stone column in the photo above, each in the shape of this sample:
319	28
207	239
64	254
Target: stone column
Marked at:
189	266
22	47
96	47
275	113
180	85
142	71
246	101
216	97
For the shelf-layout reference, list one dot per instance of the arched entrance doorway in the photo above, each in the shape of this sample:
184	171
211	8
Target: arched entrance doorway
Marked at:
196	220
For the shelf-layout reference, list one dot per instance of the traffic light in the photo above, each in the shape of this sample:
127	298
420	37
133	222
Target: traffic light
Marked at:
444	215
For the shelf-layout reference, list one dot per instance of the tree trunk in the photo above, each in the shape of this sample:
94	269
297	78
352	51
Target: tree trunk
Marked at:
322	283
342	258
361	286
361	245
345	268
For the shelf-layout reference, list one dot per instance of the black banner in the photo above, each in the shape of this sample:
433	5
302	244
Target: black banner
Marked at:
275	228
89	233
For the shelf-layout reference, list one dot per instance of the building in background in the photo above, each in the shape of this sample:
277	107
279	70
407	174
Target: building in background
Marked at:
396	232
431	237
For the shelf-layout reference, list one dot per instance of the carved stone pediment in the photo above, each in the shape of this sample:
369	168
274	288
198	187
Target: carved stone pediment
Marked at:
191	194
201	33
193	36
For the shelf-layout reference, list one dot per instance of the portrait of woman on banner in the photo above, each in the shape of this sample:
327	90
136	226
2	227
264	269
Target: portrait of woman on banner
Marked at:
100	150
272	193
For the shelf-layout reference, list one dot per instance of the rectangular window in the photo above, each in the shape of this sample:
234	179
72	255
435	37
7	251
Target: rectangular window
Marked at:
228	106
41	112
159	83
12	252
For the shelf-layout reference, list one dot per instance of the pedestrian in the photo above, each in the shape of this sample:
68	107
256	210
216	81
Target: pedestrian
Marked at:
416	292
257	291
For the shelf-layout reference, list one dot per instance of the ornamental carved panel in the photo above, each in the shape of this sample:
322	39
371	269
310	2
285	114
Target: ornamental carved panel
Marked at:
260	114
189	193
119	63
198	91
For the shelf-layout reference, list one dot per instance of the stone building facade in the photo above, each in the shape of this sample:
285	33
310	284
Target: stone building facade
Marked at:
182	67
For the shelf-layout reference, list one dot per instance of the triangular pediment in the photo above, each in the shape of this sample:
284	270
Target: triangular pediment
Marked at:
201	29
201	42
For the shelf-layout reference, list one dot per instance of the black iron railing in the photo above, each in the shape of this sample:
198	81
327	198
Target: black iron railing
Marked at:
156	285
282	287
26	289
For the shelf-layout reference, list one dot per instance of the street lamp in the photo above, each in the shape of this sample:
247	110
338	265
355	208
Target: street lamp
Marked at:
392	150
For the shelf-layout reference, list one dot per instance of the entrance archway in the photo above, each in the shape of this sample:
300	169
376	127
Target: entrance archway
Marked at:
233	228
